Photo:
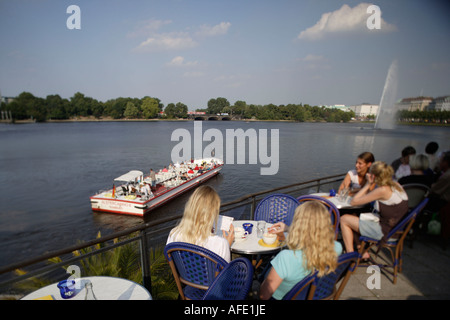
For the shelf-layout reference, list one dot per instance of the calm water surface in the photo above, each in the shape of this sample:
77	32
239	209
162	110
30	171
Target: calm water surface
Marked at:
48	171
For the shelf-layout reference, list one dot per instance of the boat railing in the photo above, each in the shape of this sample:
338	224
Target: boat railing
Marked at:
149	237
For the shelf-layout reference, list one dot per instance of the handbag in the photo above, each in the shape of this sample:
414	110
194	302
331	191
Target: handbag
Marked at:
370	216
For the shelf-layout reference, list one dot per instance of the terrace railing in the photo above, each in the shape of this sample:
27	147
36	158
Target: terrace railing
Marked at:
148	235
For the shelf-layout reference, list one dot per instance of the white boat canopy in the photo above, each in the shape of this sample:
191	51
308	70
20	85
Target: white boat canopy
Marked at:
130	176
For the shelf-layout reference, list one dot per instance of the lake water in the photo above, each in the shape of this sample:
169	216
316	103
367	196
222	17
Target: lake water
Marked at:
48	171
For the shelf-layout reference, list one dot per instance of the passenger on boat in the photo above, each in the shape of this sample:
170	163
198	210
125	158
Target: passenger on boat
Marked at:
165	170
311	246
131	188
153	177
145	189
391	204
357	177
419	165
401	165
200	215
184	176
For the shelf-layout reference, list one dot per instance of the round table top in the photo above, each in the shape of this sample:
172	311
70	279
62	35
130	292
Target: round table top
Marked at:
251	244
340	204
105	288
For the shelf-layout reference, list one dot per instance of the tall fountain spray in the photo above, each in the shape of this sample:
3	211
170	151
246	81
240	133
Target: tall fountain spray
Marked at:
386	110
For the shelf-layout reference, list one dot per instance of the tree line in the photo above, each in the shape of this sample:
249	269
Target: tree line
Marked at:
426	116
295	112
53	107
26	106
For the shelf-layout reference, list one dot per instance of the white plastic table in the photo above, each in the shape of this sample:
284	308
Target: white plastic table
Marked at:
105	288
251	245
335	200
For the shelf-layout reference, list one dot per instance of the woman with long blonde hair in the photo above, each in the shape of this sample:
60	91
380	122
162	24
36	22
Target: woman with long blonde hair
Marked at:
200	216
311	247
391	204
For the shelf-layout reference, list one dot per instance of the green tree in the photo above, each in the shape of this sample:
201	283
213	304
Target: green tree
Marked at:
26	106
170	111
181	110
216	105
300	114
115	107
250	111
57	107
97	109
20	107
131	111
80	105
160	105
239	107
150	108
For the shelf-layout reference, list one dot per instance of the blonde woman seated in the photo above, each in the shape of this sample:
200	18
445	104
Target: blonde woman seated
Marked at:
199	218
311	246
391	202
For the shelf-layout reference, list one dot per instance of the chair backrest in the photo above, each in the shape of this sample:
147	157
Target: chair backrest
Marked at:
233	282
325	286
332	209
193	265
303	290
406	223
416	193
275	208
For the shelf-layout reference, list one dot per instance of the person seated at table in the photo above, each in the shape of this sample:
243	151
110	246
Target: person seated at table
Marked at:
419	164
440	190
391	203
357	177
401	165
431	152
311	246
200	216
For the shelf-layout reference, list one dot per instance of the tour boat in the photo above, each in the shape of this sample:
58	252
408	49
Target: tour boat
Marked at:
135	195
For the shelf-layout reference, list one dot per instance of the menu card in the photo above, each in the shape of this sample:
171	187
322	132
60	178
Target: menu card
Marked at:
223	223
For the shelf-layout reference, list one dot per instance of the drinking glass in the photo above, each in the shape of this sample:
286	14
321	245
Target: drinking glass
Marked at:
260	228
343	195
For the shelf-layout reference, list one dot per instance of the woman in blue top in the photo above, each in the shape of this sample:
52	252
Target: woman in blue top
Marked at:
311	246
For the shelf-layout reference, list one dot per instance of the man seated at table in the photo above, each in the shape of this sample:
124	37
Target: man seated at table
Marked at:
311	246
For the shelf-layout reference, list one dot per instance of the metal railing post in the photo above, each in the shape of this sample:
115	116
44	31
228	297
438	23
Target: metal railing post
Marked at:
145	262
252	208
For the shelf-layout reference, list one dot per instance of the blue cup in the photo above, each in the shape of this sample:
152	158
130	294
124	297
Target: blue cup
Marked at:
248	227
67	288
332	193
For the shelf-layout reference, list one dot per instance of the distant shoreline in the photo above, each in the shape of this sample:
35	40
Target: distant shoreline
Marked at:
93	119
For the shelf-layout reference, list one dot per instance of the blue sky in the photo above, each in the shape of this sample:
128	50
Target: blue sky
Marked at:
312	52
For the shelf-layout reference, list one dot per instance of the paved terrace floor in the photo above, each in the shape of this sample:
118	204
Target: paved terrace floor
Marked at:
425	275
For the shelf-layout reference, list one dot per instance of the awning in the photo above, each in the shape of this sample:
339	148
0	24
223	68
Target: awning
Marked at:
130	176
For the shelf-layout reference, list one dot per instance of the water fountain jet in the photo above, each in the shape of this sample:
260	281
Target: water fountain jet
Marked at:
386	110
